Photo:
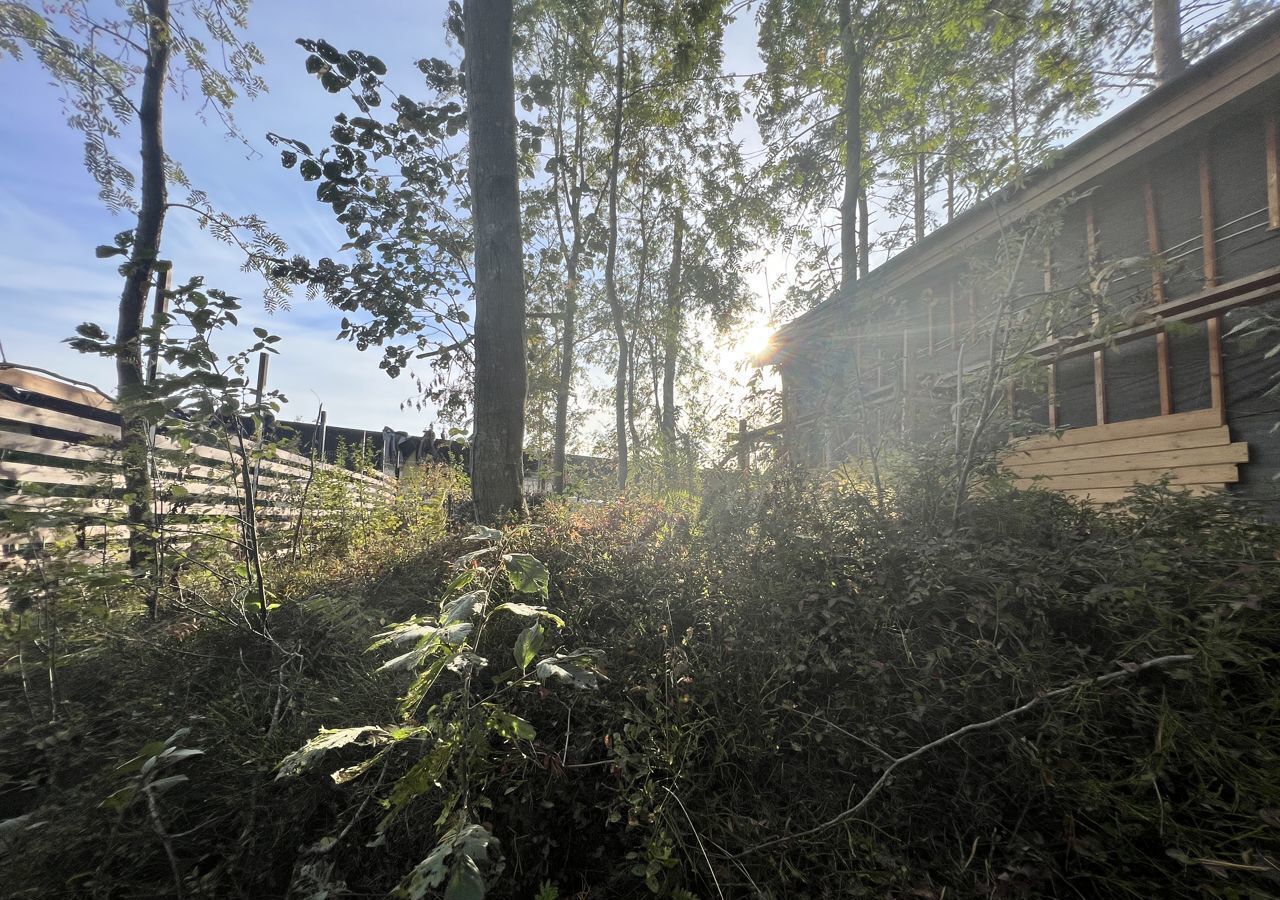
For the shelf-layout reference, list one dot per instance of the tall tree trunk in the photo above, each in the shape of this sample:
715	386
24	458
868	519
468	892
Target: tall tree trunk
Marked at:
671	324
569	332
1166	27
501	379
134	436
864	234
852	144
611	260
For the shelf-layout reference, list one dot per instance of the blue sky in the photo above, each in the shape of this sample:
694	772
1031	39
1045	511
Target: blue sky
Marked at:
51	218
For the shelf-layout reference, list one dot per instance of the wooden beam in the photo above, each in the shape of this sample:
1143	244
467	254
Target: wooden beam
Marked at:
1225	473
48	418
1206	220
1273	167
27	380
1214	436
1153	242
1188	421
1198	308
1221	454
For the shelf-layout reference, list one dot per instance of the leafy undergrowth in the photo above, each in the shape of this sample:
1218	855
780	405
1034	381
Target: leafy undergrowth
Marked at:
762	664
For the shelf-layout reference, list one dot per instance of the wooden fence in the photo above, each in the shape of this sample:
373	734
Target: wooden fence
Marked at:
59	458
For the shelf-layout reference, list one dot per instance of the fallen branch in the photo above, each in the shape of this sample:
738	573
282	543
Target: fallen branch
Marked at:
1130	669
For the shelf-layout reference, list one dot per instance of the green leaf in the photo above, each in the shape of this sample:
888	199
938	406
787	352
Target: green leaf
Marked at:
330	739
102	251
525	610
484	533
464	607
527	573
571	667
467	883
511	727
120	799
528	644
426	678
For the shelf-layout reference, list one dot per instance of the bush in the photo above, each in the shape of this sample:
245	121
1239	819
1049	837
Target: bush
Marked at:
765	659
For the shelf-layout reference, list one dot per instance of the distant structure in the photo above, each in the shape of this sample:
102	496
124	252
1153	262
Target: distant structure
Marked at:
1169	238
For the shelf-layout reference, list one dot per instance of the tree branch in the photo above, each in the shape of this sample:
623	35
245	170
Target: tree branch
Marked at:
1130	670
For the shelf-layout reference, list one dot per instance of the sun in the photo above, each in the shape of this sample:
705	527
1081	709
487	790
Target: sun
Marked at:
756	338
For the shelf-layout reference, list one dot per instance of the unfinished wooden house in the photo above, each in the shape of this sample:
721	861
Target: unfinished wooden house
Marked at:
1120	275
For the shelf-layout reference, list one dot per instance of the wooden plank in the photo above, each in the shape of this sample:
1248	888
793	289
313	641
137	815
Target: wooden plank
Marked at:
1218	474
1099	361
1273	168
66	505
1111	495
1053	395
1217	391
1206	220
31	415
1164	375
27	380
25	443
1156	443
1188	421
1171	459
1153	241
36	474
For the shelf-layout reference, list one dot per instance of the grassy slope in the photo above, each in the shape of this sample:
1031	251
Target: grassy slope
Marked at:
764	659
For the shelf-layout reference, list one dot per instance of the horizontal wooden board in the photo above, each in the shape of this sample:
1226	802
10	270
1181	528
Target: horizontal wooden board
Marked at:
27	380
25	443
1171	459
32	415
37	474
1112	495
1190	421
1223	474
1181	440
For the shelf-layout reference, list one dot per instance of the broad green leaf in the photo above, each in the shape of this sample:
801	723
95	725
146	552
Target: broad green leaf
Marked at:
485	533
427	875
571	667
351	773
330	739
463	608
467	559
527	645
161	784
120	799
467	883
511	727
527	573
524	609
426	678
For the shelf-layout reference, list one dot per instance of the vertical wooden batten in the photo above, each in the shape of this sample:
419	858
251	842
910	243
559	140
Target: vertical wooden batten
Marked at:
1163	377
1214	325
1206	220
1053	395
1216	392
1099	363
1273	168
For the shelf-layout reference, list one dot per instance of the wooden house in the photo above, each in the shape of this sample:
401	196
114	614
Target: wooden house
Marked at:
1137	253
